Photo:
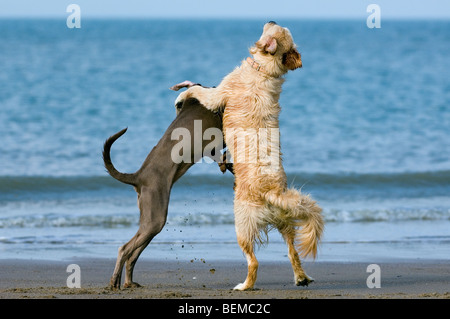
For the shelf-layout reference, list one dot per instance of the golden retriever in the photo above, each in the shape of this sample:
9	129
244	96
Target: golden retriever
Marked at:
249	97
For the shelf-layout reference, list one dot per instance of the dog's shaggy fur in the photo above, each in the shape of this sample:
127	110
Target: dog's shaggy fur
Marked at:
249	96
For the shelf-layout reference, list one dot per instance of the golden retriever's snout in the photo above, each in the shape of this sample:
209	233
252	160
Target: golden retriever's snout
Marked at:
300	64
292	59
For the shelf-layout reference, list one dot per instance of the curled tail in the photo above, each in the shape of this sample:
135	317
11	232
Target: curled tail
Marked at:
305	213
122	177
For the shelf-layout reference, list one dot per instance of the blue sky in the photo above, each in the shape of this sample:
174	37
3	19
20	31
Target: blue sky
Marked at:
264	9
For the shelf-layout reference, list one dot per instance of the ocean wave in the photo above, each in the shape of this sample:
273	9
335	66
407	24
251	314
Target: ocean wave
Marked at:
212	219
386	215
61	184
53	220
110	221
66	201
66	242
50	184
403	179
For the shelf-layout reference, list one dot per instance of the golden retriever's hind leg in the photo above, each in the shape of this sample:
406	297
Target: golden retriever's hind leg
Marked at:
247	223
247	248
301	207
300	276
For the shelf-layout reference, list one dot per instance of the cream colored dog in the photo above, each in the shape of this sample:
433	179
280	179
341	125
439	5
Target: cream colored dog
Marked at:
249	96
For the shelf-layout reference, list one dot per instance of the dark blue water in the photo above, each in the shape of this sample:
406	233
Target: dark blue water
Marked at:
365	128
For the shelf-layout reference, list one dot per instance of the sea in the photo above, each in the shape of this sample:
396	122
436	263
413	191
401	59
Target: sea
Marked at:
365	130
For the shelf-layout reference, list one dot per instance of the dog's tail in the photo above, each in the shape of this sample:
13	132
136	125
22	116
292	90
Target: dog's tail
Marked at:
305	214
123	177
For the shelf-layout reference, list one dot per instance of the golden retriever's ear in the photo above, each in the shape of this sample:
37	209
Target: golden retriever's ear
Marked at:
271	45
292	59
267	45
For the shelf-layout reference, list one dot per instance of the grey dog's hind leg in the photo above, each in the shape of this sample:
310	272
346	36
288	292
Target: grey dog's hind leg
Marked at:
153	205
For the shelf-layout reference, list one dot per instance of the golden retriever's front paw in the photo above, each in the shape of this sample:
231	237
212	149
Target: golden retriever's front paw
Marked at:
190	92
182	97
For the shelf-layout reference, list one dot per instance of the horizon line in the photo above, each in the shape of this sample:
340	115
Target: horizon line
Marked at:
153	17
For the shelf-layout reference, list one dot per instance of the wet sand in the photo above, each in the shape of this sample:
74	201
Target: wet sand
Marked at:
204	279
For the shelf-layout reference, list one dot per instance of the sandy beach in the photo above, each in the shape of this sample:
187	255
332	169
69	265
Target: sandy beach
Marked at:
204	279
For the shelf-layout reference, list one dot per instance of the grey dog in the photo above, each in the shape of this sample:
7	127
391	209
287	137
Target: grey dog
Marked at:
154	180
